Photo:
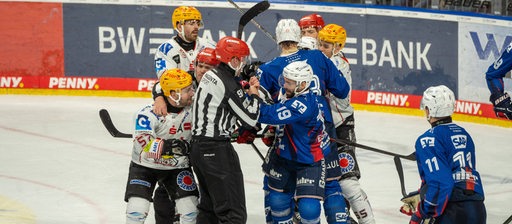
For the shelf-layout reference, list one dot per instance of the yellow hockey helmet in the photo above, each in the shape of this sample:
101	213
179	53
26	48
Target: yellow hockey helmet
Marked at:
174	80
333	33
184	13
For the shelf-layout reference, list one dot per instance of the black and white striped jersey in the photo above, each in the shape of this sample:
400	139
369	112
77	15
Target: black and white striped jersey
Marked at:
219	102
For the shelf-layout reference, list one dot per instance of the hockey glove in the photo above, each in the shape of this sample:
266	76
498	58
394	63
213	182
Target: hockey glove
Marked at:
502	105
175	147
269	135
410	202
246	135
417	219
249	70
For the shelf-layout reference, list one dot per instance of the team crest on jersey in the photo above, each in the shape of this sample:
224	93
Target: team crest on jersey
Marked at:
142	123
459	141
186	181
346	162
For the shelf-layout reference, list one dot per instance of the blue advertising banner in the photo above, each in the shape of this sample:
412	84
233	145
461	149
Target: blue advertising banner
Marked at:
402	55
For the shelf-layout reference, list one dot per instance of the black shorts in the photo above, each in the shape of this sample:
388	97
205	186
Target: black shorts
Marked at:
141	182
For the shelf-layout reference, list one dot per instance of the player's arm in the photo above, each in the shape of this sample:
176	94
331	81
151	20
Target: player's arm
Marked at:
164	59
437	177
286	112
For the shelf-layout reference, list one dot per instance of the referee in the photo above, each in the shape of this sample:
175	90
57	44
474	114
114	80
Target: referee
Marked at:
219	102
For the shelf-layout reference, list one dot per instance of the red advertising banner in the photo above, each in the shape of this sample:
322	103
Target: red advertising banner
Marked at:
33	44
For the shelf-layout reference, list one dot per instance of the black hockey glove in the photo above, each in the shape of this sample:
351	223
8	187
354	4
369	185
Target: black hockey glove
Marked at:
502	105
156	91
175	147
249	70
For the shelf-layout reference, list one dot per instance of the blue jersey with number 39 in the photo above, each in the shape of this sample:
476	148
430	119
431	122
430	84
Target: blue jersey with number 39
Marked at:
445	155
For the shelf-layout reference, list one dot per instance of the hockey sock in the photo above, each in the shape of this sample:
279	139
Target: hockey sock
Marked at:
137	210
335	207
309	209
280	206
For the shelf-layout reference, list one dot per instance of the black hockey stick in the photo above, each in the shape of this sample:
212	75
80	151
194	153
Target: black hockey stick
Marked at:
411	156
249	15
508	220
400	170
109	125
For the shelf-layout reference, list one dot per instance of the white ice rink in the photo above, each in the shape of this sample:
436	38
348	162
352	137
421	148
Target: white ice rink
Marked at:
59	165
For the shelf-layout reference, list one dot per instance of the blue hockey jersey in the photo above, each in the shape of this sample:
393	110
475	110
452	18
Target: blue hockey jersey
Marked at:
326	76
300	134
498	70
445	155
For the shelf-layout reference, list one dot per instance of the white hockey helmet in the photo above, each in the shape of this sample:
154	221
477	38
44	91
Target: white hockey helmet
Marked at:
287	30
439	101
299	71
308	43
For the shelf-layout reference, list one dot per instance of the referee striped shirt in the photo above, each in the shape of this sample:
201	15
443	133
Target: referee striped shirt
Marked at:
219	102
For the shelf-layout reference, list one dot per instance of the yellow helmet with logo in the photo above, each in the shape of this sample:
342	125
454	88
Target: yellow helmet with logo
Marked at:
333	33
184	13
174	80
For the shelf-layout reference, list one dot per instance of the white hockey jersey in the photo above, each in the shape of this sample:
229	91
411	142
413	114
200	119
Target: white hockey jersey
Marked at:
341	108
171	55
150	128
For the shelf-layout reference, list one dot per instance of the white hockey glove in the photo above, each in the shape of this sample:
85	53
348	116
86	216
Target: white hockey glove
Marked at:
410	202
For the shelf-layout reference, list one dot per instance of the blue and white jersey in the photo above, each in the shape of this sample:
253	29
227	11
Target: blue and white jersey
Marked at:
326	77
445	155
498	70
300	132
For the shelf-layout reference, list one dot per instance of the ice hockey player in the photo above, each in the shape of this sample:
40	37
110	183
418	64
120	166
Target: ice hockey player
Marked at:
331	40
219	103
494	77
326	78
160	149
297	169
181	50
311	24
451	188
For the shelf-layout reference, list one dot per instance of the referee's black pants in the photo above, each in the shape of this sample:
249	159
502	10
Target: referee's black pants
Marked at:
221	182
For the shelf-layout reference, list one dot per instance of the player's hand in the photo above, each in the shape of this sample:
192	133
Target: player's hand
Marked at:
246	135
502	105
249	70
175	147
417	219
159	106
269	135
410	202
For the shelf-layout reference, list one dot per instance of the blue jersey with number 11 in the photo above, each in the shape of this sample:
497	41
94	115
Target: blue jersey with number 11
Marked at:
445	155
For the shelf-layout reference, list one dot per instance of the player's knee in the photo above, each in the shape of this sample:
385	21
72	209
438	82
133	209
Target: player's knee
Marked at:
351	189
187	208
280	206
137	210
335	208
309	209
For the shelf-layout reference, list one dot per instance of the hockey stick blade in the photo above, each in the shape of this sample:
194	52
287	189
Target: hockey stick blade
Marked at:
250	14
109	125
400	170
411	157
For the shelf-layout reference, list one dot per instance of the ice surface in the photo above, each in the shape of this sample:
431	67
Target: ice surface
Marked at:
58	164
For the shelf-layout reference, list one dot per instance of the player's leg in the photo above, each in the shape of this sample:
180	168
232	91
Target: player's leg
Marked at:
310	189
281	186
181	185
139	191
350	186
164	206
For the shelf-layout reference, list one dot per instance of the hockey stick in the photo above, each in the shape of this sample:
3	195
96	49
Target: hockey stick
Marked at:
109	125
411	156
400	170
249	15
508	220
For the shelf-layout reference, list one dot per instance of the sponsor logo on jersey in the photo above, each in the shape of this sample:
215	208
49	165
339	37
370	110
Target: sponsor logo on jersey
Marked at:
208	78
274	174
186	181
347	162
140	182
305	181
142	123
459	141
299	106
427	142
